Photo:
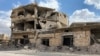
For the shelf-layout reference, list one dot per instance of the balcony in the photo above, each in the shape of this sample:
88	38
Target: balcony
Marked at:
23	18
22	31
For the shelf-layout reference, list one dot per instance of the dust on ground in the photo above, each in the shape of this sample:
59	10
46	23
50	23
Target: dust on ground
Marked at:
27	52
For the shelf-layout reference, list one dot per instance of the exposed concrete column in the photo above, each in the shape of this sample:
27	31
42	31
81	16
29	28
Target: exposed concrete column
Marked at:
35	23
35	9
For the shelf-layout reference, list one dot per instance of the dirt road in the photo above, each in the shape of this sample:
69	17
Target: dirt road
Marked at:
36	53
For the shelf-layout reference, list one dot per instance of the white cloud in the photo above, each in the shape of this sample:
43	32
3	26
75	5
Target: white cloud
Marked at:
16	5
84	15
51	4
5	22
96	3
54	4
32	1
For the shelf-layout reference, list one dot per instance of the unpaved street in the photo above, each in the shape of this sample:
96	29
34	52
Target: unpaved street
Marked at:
37	53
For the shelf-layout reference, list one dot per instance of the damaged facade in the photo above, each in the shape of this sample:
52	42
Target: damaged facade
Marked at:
32	24
36	25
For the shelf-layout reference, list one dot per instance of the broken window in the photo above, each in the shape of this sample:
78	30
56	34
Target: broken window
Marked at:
20	26
66	30
52	14
38	26
24	40
95	36
21	13
44	21
30	11
29	25
45	42
68	40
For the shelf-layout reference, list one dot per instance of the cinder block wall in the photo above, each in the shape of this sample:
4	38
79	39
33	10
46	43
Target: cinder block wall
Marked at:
56	41
81	38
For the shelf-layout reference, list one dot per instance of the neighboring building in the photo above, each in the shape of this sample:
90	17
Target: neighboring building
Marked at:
4	38
84	34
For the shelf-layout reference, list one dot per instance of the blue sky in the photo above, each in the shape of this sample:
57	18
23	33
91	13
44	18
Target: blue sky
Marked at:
77	10
66	6
69	6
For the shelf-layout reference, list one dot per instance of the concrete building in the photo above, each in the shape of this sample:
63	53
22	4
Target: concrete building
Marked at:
35	24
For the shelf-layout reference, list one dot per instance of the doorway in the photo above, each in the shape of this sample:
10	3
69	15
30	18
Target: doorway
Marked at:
68	40
24	40
45	42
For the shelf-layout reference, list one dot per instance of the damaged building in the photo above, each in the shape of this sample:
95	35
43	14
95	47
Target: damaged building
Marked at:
36	25
33	24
